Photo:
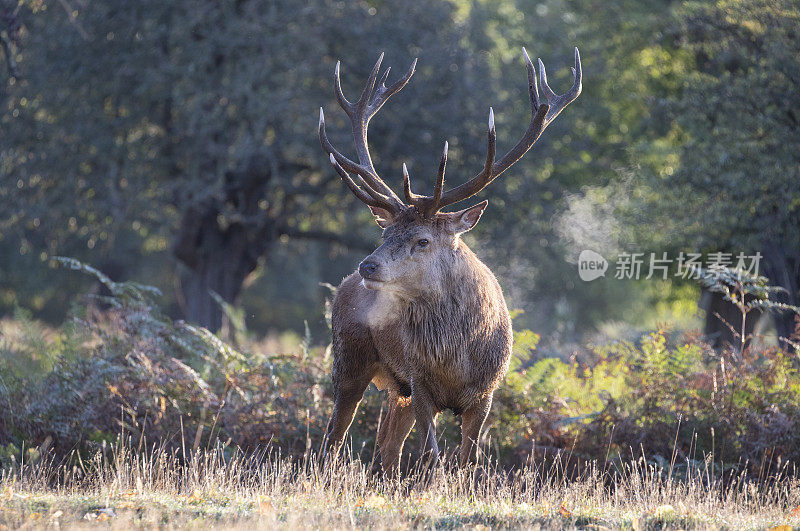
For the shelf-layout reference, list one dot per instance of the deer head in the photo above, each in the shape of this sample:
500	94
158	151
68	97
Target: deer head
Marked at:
419	239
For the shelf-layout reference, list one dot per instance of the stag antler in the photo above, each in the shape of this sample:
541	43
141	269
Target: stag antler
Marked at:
360	113
375	192
542	114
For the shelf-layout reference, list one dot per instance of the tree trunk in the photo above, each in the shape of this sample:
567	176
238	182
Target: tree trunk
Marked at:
220	241
221	273
218	257
723	322
782	267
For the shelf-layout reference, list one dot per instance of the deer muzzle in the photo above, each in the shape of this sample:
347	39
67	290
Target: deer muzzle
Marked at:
368	269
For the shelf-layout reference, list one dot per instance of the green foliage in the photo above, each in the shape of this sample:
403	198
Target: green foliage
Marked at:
121	292
712	159
746	291
204	146
215	112
739	409
738	109
23	349
695	101
138	373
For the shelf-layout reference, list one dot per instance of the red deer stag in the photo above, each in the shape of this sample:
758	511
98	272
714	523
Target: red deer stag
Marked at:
423	317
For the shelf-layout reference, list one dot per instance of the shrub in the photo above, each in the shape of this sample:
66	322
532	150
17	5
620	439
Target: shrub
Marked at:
140	374
119	366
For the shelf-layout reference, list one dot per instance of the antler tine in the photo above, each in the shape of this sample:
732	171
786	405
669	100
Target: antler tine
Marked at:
546	90
542	114
372	192
437	191
411	197
360	113
348	164
366	94
491	148
384	93
558	103
533	90
337	85
427	206
357	191
384	77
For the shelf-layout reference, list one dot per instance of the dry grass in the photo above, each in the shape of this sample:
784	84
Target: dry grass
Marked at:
120	489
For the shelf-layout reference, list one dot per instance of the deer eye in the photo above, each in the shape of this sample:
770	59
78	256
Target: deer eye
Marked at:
423	242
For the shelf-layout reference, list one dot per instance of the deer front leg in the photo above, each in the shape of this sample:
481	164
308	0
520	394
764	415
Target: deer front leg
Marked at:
472	420
393	433
347	395
425	414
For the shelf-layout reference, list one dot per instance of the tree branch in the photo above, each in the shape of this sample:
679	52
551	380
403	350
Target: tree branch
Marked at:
327	236
13	71
74	20
311	189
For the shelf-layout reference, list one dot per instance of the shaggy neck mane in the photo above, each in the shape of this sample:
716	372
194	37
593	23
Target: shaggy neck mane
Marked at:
441	320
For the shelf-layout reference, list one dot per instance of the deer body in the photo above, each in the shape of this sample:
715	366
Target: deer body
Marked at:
448	347
459	339
423	317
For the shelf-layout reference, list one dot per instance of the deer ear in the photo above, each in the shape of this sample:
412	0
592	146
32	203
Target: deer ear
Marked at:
464	220
383	217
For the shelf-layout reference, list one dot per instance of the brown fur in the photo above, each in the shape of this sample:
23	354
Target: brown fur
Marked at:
436	327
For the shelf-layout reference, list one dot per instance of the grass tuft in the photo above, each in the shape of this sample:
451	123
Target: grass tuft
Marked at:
156	487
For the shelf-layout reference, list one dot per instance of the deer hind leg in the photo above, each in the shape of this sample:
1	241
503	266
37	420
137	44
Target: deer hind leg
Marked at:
393	433
472	420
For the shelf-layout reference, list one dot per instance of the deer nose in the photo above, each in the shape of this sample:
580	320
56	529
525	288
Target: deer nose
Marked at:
367	268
